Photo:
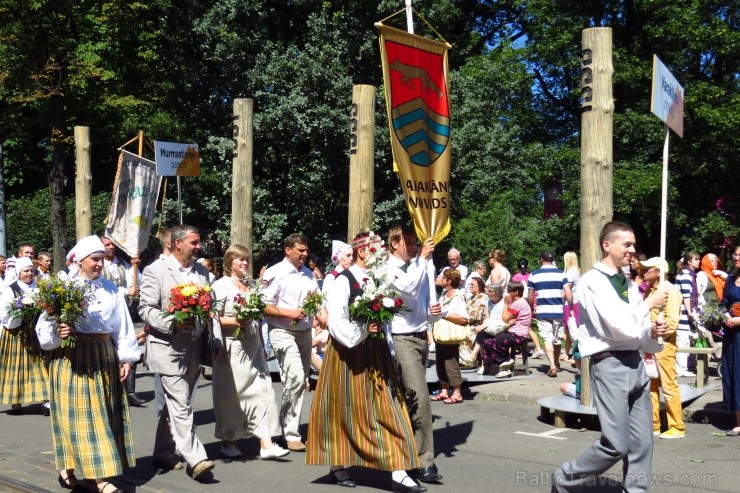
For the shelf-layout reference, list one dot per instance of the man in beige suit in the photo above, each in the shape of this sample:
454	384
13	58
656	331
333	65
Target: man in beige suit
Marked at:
174	350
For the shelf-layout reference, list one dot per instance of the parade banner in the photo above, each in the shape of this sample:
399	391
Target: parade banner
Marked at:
416	96
666	101
174	159
133	203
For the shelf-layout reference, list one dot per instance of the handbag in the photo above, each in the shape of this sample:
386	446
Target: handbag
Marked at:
446	332
206	353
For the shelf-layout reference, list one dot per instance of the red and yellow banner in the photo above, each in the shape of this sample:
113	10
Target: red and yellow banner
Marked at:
416	96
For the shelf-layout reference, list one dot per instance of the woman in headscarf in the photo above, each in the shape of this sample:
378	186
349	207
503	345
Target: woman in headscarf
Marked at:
359	414
710	273
341	257
23	374
91	428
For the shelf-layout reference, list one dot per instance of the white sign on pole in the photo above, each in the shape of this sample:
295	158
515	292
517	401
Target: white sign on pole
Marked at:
666	101
175	159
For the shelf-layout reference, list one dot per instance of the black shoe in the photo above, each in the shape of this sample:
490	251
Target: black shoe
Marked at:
347	483
65	483
397	487
16	411
428	475
133	400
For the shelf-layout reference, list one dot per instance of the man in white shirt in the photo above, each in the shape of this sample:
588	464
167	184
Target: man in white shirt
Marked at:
453	257
287	284
615	324
409	329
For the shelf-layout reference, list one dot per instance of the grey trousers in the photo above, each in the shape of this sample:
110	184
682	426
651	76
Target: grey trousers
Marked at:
621	395
175	427
411	355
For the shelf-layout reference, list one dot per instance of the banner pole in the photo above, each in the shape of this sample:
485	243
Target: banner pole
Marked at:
409	17
179	199
664	202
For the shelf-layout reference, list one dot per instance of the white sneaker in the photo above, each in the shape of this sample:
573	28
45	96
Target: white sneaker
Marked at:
432	347
231	451
273	452
685	373
481	370
506	365
503	374
537	354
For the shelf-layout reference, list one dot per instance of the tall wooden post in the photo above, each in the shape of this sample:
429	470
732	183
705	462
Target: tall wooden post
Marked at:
241	181
361	160
597	115
83	183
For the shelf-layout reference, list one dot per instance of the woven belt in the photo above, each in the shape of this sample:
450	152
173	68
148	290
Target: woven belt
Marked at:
91	337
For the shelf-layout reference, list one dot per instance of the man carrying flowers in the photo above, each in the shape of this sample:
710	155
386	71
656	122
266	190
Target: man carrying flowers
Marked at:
176	303
287	286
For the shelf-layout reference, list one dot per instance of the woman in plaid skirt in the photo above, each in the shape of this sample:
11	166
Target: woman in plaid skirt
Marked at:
90	421
23	374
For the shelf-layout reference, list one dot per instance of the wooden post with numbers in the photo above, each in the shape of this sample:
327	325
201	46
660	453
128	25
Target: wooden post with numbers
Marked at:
361	160
241	181
597	117
83	183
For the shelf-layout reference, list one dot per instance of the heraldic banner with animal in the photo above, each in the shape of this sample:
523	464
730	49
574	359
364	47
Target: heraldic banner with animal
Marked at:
416	96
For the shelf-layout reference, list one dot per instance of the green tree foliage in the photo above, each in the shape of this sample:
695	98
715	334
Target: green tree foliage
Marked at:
173	68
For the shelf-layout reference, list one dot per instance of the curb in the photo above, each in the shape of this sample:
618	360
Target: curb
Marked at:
8	484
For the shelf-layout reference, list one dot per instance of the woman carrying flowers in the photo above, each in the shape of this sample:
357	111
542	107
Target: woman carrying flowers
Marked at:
359	415
243	399
23	373
90	422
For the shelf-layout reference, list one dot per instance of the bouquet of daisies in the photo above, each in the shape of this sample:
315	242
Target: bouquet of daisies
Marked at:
65	300
378	301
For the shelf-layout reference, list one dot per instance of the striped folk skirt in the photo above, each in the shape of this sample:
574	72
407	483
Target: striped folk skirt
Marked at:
359	415
90	423
23	373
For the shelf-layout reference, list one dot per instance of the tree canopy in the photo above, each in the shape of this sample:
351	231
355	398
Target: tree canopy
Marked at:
173	68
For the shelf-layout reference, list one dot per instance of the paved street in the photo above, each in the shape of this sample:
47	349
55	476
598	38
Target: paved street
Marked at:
494	442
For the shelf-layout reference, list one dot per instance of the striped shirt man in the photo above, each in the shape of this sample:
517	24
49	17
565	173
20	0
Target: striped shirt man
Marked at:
548	283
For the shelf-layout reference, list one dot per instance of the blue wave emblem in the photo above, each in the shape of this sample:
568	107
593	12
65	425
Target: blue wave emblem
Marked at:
423	133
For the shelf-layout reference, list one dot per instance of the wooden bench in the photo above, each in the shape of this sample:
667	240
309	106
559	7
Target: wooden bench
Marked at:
561	405
702	362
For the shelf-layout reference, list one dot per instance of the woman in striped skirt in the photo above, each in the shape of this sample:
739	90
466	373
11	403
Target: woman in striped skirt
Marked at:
359	415
91	428
23	374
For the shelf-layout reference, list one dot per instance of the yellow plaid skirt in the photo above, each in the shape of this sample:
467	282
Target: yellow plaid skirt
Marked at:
90	423
359	416
23	373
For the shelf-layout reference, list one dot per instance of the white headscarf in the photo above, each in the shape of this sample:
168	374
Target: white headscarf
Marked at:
23	263
337	250
86	247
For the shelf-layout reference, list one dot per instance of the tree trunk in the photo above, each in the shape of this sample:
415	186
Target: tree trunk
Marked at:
57	180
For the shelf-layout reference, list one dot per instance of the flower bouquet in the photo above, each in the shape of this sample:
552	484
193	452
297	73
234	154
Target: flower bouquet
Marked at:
378	301
711	317
311	306
190	302
25	306
65	300
250	306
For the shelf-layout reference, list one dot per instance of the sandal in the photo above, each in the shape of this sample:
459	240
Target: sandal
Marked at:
70	482
452	400
552	372
104	488
440	397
